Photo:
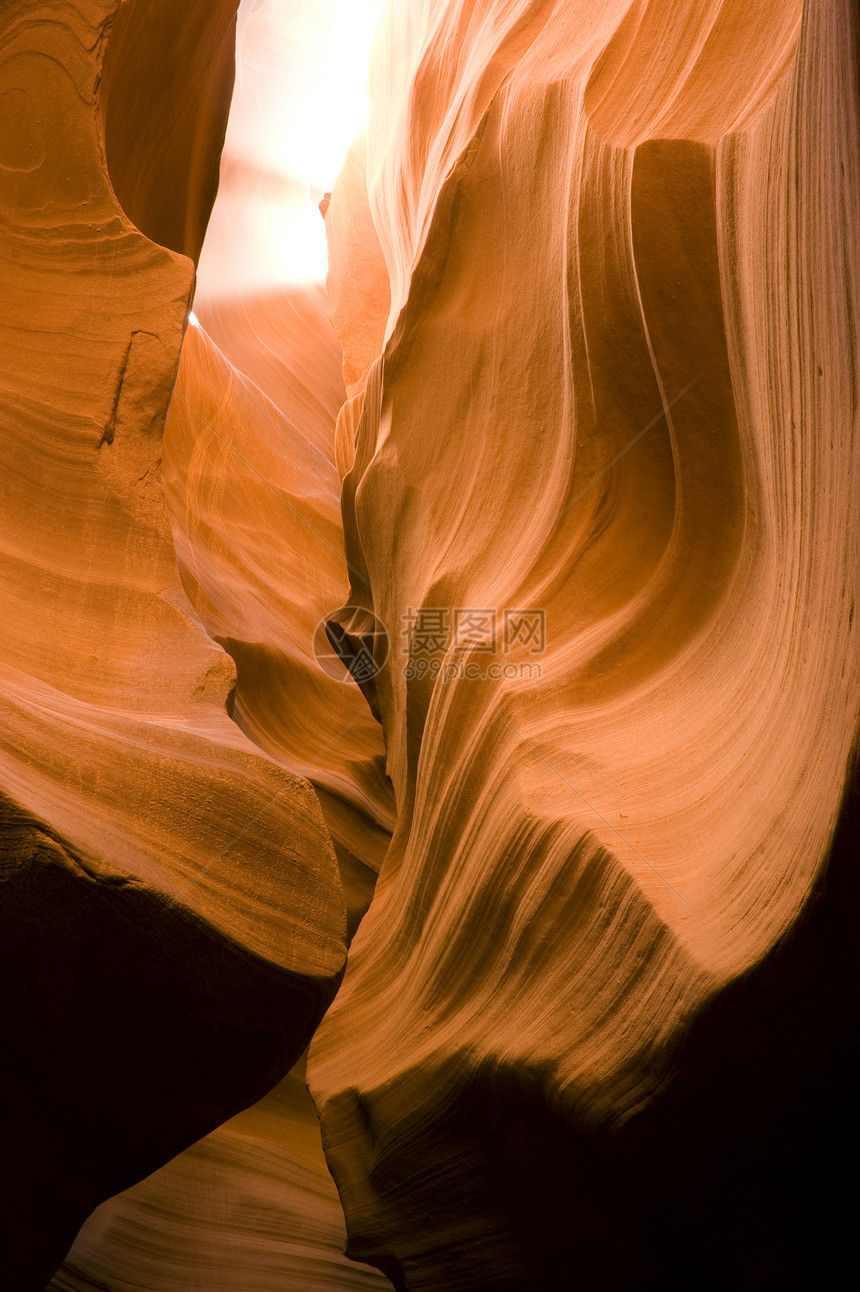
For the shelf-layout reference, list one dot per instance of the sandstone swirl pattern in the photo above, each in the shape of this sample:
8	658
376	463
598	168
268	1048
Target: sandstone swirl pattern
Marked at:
617	384
251	1207
594	271
174	922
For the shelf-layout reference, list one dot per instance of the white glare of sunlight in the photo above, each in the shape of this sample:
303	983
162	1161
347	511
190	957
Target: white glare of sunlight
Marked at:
304	64
300	98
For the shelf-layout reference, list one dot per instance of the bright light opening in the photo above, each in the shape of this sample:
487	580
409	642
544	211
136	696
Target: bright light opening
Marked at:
300	99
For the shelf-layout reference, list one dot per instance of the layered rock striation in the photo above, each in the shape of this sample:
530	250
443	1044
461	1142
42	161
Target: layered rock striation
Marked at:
601	489
585	488
174	923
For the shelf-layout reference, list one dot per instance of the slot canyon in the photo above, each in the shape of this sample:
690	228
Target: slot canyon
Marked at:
429	676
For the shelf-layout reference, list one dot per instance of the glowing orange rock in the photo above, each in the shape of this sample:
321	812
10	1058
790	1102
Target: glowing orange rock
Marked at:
174	922
594	273
605	451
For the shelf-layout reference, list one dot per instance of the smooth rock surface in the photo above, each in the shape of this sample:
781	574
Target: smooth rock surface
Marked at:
617	386
254	504
588	407
250	1208
174	923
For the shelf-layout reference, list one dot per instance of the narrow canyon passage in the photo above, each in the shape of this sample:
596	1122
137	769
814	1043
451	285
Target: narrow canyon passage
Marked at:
429	678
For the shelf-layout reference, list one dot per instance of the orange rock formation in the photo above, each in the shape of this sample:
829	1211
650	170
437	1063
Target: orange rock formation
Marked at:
591	499
174	923
616	386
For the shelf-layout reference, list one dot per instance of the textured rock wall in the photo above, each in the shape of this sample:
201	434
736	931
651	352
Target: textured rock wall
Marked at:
616	386
250	1208
254	503
173	918
594	272
259	540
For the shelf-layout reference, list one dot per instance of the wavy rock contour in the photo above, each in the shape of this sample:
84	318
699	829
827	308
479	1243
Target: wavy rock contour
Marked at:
173	910
594	271
253	500
600	490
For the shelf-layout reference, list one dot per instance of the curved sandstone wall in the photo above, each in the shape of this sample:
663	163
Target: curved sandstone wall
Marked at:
571	474
174	923
616	388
